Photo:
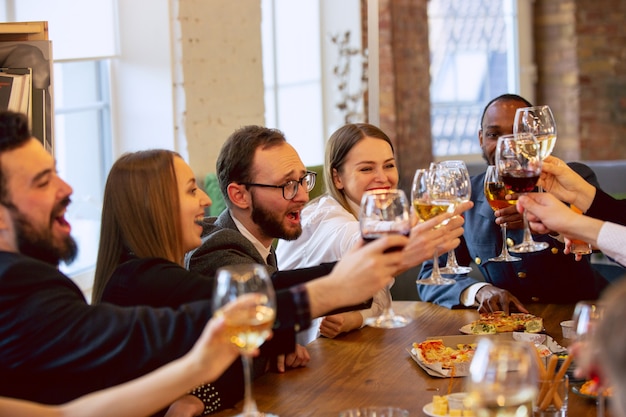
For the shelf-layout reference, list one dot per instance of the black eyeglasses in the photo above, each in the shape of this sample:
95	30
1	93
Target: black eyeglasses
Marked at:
290	188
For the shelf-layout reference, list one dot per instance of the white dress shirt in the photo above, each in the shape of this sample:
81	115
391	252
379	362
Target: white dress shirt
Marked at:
328	231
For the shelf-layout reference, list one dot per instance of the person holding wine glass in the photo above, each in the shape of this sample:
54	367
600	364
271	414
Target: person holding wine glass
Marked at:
359	157
538	277
140	264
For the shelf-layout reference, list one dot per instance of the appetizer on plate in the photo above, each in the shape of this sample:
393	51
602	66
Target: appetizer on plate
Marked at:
498	322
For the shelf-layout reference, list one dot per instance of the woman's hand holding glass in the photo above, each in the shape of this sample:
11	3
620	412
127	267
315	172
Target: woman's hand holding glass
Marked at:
250	324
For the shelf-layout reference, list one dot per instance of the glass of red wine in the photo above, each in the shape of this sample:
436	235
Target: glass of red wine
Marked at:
518	160
385	212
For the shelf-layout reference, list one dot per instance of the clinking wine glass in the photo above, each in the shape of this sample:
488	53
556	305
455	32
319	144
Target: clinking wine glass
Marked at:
503	378
518	161
587	315
538	121
433	192
247	327
495	193
385	212
464	193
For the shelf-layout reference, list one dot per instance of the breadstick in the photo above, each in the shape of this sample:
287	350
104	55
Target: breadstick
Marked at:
546	378
552	394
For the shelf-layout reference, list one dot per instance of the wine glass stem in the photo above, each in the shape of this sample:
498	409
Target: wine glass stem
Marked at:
600	402
387	310
249	405
528	237
435	274
504	251
451	263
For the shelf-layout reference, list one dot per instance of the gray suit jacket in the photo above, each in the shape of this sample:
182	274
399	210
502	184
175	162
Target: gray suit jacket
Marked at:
222	245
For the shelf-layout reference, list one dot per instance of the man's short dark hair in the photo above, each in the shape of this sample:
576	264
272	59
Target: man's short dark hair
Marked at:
234	163
503	97
14	132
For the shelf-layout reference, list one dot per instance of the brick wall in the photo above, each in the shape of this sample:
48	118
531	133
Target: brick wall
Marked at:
581	66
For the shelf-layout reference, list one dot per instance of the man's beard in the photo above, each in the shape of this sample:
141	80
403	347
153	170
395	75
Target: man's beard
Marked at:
271	225
40	244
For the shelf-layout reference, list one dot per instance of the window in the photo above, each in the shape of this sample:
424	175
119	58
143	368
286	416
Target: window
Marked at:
474	58
82	144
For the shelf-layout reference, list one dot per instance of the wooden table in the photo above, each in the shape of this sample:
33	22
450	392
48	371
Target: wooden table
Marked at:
373	367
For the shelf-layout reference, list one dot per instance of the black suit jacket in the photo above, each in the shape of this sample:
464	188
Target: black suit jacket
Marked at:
55	347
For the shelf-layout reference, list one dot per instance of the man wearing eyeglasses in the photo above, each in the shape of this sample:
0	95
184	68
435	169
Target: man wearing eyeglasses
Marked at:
265	186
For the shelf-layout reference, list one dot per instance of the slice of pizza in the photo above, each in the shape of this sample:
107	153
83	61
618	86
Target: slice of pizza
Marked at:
498	322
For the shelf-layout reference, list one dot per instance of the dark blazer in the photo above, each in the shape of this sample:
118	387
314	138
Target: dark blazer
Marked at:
547	276
55	347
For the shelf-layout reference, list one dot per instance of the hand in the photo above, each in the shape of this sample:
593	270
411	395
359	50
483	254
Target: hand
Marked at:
510	216
213	352
299	358
568	249
565	184
362	271
426	237
334	325
185	406
546	213
491	298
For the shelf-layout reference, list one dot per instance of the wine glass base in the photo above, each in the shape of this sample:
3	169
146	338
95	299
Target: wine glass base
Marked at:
255	414
528	247
435	281
505	258
388	322
455	270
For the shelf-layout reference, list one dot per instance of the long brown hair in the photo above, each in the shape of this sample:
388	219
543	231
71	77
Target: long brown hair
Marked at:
337	149
140	213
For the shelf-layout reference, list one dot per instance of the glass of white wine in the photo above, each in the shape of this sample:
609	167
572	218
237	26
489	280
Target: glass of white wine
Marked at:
503	379
250	324
433	192
538	121
461	177
495	193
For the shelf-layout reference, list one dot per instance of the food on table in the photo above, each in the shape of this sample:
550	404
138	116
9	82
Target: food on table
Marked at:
441	408
498	322
591	388
434	351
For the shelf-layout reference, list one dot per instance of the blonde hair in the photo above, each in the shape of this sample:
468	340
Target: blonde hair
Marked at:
339	145
140	213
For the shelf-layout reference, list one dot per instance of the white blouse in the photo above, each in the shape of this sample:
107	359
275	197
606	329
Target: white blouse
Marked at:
612	241
328	231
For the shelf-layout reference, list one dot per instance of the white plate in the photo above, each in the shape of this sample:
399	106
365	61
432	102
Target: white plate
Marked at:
428	410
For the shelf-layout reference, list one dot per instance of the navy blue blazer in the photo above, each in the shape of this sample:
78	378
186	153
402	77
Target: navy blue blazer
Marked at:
547	276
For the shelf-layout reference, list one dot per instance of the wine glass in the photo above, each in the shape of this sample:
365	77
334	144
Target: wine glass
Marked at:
587	315
464	193
495	192
385	212
433	192
519	164
503	378
249	327
539	121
